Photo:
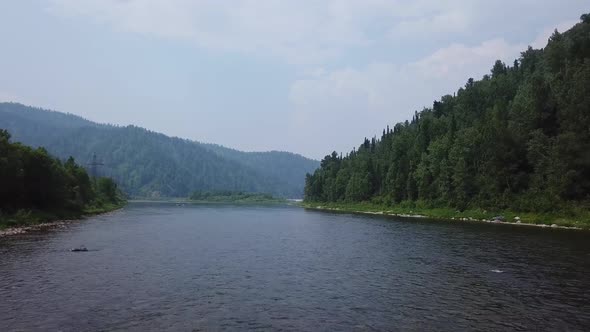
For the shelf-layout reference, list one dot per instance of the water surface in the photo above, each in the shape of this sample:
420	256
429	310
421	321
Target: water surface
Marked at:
164	267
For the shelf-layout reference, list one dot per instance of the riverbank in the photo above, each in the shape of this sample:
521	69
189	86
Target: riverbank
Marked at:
182	202
234	197
563	221
28	221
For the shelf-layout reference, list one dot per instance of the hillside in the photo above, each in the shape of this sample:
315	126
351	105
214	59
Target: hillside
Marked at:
289	167
150	164
517	139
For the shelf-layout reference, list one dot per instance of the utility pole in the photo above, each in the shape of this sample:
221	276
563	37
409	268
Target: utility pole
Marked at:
93	166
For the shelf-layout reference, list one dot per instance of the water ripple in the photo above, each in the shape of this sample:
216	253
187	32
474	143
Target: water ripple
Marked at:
202	268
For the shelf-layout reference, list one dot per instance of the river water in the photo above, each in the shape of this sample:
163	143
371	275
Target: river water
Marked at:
154	267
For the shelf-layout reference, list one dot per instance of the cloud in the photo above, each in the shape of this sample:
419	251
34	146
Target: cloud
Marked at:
381	85
384	93
345	105
543	37
451	21
465	61
360	64
299	31
288	29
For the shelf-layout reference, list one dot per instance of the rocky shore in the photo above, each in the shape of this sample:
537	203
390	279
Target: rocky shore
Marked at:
37	227
496	220
56	224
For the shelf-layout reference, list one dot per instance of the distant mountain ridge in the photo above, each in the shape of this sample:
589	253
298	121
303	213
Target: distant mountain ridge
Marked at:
150	164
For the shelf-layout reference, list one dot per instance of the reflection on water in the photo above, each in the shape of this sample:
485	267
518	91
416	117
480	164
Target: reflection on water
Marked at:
163	267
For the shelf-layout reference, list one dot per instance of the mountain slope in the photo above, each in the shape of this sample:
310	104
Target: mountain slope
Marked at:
146	163
517	139
289	167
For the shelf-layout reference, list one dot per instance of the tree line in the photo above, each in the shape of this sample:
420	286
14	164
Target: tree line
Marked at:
232	196
148	164
518	139
32	179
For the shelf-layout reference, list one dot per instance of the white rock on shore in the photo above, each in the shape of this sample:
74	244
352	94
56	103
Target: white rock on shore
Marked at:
26	229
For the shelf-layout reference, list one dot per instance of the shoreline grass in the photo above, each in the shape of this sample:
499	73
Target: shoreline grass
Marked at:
234	197
27	218
239	202
184	201
579	220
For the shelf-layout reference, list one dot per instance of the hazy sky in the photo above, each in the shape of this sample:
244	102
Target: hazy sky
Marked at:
308	76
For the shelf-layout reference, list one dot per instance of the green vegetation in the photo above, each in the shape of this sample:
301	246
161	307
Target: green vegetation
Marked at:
37	187
233	197
572	218
152	165
516	140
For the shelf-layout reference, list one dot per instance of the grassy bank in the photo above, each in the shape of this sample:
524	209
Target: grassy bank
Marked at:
574	218
235	198
24	218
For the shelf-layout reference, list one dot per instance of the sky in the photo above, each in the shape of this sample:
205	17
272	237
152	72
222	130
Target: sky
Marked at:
305	76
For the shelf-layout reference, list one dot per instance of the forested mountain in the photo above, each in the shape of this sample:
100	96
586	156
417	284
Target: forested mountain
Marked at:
33	180
519	139
150	164
289	167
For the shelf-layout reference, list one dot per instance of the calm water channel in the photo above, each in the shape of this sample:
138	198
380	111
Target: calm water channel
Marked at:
191	268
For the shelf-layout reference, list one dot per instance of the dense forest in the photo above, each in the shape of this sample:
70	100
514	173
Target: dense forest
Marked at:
149	164
517	139
33	180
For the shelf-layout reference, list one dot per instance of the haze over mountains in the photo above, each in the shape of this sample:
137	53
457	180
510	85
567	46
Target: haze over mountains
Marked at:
150	164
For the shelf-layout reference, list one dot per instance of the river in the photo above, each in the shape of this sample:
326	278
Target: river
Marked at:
153	267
